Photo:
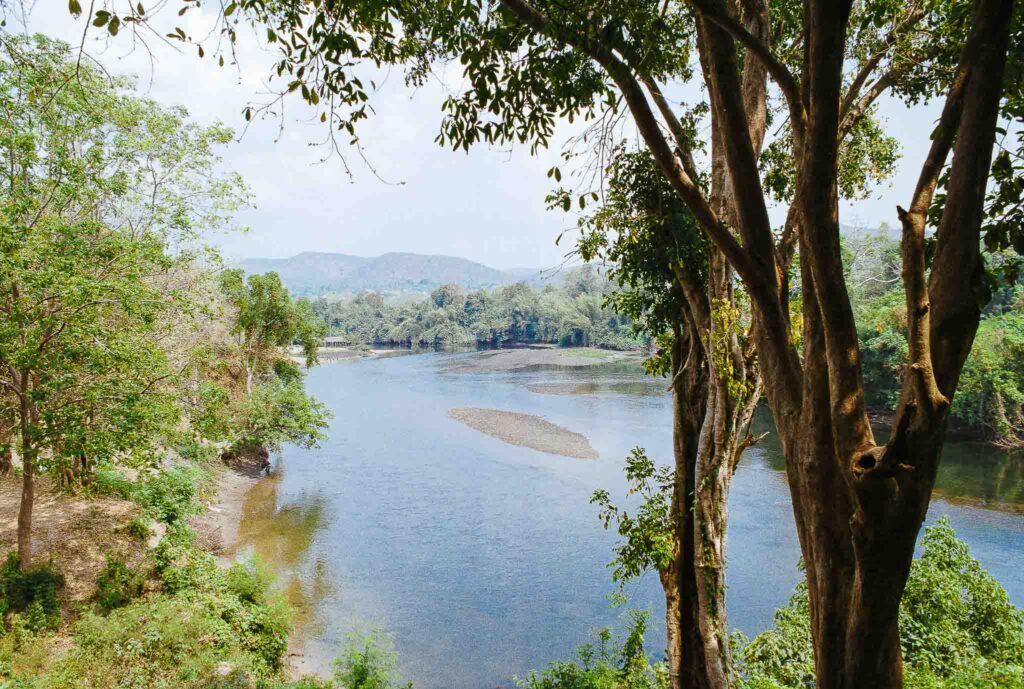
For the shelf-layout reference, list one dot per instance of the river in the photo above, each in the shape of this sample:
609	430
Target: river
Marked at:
484	559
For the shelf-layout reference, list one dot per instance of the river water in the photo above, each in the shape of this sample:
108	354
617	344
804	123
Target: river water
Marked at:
485	559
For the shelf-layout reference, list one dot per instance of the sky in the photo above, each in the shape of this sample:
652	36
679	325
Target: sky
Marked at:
486	205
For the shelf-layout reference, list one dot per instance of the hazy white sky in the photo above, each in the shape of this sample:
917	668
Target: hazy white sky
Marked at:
487	205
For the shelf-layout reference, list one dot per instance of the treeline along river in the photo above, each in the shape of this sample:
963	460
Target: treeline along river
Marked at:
485	559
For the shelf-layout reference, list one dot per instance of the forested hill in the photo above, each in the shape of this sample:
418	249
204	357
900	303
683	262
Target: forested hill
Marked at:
315	273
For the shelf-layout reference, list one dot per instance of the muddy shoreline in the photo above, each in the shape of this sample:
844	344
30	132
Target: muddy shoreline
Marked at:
220	531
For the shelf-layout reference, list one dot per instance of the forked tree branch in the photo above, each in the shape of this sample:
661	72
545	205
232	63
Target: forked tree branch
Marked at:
650	129
716	12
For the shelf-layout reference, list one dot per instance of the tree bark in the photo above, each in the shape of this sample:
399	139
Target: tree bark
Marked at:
7	457
28	486
685	649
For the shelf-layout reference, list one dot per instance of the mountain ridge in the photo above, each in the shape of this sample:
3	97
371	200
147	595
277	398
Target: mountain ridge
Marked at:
316	273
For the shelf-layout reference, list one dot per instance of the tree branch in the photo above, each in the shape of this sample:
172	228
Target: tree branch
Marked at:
716	12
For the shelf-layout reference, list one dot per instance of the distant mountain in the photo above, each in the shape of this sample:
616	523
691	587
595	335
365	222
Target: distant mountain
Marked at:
313	273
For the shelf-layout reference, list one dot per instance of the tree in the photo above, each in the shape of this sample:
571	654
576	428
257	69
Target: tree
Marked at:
667	273
858	505
86	290
265	319
448	296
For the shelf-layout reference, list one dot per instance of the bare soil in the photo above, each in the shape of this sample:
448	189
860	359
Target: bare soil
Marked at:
76	532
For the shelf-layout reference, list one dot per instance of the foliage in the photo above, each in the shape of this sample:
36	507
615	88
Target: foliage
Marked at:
991	391
241	595
367	661
957	626
575	313
118	584
604	664
169	494
32	592
990	398
278	412
266	317
165	641
105	196
644	231
647	536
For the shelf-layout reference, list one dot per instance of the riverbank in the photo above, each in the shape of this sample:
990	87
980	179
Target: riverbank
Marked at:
138	556
539	358
76	532
221	530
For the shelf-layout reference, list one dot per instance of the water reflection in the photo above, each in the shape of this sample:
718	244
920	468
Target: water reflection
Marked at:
282	535
979	475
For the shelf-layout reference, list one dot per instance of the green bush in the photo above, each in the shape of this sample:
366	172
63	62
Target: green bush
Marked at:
180	565
279	412
110	482
605	665
368	661
32	592
118	584
250	580
258	620
958	628
197	453
139	527
160	641
169	495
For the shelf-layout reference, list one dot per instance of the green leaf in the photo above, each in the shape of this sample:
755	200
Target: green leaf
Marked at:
74	7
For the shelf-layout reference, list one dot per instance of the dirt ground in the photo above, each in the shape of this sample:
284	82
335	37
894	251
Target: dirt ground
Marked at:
217	527
76	532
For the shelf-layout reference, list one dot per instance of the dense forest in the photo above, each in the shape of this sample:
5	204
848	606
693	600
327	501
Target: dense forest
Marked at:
576	313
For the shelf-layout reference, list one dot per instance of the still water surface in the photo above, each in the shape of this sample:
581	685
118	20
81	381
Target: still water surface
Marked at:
485	559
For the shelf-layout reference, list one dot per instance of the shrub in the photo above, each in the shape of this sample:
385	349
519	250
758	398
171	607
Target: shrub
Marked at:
604	665
279	412
368	661
195	452
249	580
32	592
180	565
118	584
160	641
169	494
108	481
954	613
257	620
139	527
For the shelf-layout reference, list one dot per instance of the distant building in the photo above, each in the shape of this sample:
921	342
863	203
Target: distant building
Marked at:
334	341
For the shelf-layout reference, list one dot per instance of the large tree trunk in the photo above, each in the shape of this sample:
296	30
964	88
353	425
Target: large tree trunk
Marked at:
685	647
859	506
